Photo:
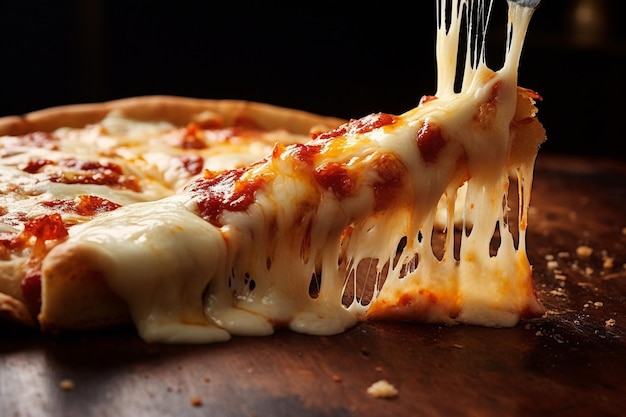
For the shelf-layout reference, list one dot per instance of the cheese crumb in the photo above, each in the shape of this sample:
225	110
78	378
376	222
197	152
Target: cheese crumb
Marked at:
67	384
382	389
584	251
598	304
609	323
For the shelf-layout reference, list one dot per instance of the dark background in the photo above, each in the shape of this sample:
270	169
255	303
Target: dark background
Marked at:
344	59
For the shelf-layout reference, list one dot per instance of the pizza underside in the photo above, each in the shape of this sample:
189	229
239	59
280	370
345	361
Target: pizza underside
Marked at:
197	220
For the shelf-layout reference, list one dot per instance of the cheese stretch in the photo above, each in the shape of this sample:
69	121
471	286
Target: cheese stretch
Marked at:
317	236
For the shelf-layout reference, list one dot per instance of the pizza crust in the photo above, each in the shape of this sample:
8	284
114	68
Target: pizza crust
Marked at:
177	110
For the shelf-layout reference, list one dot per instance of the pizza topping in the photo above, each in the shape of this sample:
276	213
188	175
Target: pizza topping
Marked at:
191	164
304	152
216	192
430	141
34	165
193	138
74	171
84	205
392	175
335	177
49	227
359	126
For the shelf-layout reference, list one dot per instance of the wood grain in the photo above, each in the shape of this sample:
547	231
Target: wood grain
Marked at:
571	362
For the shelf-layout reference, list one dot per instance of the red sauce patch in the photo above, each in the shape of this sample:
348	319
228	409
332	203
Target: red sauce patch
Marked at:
48	227
192	164
430	142
74	171
84	205
44	228
216	192
335	177
34	165
306	152
192	138
391	173
357	126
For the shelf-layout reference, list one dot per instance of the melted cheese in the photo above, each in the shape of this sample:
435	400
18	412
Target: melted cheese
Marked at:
303	257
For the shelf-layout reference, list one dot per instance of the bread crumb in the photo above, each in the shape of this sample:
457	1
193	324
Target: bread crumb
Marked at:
563	254
609	323
584	251
549	257
382	389
538	333
624	231
553	264
67	384
207	378
337	378
607	263
560	277
196	401
598	304
558	292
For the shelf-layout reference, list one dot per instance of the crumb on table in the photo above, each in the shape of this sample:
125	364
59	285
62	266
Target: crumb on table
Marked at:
382	389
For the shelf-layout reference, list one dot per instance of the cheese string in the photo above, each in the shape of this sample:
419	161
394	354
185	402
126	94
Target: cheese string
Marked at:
451	16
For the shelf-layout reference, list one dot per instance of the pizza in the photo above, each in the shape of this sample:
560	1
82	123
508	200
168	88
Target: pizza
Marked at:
196	220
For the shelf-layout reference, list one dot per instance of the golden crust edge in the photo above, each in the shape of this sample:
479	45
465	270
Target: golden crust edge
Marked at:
175	109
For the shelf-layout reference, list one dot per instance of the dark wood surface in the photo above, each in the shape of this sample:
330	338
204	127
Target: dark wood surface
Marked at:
570	363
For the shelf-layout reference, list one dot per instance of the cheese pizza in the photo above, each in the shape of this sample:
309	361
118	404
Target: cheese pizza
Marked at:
197	220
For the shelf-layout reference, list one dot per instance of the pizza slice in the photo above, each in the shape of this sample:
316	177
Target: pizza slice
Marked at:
320	234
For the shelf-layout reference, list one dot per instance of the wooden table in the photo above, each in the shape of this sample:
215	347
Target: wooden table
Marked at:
570	363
